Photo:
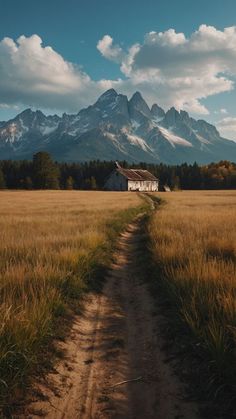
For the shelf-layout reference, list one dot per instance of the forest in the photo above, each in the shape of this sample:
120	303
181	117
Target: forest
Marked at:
44	173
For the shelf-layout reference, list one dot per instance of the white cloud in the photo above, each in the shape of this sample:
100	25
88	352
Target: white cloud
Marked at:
34	75
167	67
109	50
181	71
227	127
5	106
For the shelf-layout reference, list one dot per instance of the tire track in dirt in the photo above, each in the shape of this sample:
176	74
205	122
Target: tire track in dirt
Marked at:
116	339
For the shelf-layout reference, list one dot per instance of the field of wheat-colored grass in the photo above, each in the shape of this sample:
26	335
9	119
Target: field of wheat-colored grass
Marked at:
193	240
51	243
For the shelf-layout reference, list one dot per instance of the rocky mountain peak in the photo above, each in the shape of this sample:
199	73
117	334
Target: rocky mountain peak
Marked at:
206	129
184	117
184	114
115	128
108	96
27	116
27	111
136	97
157	112
110	108
171	117
138	104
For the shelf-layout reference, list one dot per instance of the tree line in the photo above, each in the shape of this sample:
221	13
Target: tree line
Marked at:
43	173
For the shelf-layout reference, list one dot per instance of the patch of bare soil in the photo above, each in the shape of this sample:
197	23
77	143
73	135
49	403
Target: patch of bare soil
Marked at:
114	365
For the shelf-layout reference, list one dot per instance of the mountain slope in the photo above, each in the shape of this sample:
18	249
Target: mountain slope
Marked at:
115	128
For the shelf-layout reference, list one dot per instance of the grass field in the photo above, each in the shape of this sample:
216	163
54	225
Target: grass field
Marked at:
193	242
55	246
52	246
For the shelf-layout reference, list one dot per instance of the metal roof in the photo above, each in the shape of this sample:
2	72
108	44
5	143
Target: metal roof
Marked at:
136	174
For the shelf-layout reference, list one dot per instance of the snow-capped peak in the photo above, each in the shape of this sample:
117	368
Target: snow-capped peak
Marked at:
115	128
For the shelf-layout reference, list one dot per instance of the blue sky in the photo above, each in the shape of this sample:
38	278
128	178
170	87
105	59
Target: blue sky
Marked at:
75	70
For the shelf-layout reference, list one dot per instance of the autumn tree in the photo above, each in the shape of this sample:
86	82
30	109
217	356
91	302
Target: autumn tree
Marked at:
70	183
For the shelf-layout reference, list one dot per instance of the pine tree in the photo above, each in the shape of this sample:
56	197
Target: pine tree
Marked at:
2	180
46	173
87	184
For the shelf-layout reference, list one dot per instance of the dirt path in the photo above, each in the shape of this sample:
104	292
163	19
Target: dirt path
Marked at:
116	339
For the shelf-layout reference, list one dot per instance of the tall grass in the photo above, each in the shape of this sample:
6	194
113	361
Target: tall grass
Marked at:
193	240
52	245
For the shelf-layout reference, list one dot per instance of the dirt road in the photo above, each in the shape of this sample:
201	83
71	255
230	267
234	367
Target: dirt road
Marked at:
116	339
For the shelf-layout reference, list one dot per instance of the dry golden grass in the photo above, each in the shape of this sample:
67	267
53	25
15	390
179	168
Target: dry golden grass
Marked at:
51	243
194	245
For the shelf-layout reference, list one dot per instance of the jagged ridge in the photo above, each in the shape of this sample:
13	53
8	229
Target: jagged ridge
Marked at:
115	128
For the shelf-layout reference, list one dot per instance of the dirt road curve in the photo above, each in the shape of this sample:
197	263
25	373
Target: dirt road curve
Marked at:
116	339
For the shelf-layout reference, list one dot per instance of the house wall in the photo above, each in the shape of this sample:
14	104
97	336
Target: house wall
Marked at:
116	182
143	186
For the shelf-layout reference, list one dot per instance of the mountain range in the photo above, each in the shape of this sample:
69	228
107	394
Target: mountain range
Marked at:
115	128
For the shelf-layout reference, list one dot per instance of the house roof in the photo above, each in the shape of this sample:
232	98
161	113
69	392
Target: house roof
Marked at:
137	174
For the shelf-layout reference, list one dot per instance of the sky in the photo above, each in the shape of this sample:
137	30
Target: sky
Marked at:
59	56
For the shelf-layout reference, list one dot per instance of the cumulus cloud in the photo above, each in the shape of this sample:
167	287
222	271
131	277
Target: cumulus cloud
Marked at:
34	75
227	127
109	50
167	67
181	71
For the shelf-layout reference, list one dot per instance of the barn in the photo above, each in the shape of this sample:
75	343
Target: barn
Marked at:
122	179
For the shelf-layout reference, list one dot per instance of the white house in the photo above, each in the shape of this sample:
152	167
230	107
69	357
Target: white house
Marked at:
122	179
